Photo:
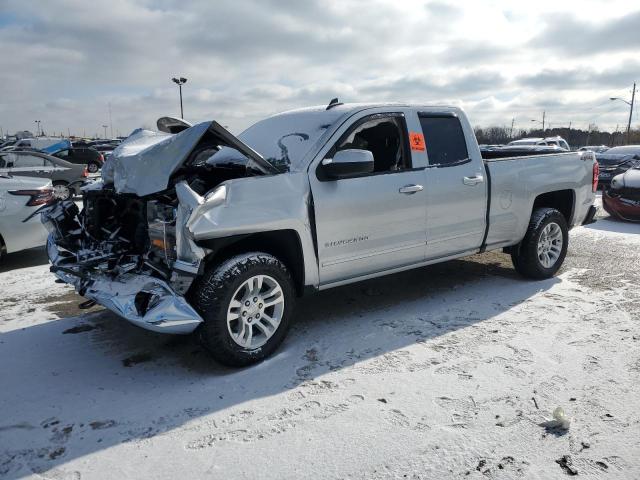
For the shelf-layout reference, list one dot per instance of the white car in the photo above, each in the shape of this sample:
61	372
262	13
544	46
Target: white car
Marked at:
536	141
19	198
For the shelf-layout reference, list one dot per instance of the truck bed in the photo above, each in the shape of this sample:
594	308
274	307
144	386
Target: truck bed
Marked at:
516	182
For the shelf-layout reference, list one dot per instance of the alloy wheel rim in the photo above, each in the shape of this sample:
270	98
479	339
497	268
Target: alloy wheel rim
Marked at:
255	311
92	167
550	245
61	192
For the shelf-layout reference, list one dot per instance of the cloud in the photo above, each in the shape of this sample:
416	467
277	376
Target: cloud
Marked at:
572	36
68	60
584	76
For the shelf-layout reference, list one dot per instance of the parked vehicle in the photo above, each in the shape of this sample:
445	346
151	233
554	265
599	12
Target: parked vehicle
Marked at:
105	149
617	160
594	148
82	156
20	197
67	177
225	232
56	147
622	198
520	151
551	141
38	142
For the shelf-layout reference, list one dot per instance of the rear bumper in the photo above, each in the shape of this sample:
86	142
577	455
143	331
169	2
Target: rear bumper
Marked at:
143	300
591	215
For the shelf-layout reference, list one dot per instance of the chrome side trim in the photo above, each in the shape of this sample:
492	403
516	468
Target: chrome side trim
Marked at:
374	254
397	269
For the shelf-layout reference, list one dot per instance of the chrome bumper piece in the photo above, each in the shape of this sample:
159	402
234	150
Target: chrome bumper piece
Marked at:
143	300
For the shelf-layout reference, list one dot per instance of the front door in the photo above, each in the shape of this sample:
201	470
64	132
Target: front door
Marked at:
373	222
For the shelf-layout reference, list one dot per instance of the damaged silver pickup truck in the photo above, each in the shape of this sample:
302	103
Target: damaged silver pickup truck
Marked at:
195	229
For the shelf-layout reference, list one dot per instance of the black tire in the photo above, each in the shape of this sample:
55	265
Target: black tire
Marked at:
70	191
212	296
525	255
93	167
3	249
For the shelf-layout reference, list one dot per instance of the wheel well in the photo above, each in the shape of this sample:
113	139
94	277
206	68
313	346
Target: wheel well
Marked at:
3	246
282	244
561	200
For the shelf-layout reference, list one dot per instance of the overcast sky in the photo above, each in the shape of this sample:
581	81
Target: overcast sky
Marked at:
64	61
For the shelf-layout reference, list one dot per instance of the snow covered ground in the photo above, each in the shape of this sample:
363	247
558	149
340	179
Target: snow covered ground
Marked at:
442	372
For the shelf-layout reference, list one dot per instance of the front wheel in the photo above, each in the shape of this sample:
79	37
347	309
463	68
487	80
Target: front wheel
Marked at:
247	304
544	246
61	191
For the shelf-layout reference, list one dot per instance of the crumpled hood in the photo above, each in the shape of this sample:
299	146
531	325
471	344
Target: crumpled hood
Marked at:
144	162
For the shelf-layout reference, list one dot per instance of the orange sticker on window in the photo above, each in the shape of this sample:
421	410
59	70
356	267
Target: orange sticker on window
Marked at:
417	141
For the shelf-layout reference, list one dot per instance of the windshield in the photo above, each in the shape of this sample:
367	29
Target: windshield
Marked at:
283	140
626	150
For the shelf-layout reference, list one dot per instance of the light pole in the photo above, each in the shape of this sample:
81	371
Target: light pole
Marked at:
180	81
633	97
544	114
105	130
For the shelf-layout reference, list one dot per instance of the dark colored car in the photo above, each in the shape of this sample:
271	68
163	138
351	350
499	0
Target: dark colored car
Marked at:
67	178
105	149
615	161
93	159
622	198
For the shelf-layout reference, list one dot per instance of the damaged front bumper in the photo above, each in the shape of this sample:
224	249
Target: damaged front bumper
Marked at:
145	301
128	287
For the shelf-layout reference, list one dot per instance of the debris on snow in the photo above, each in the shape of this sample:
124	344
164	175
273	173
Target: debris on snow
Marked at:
566	464
560	423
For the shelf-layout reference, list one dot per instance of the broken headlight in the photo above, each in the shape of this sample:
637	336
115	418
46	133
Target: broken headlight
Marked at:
161	219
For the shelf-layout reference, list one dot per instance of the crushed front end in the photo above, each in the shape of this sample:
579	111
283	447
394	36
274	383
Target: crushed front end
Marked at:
130	248
121	252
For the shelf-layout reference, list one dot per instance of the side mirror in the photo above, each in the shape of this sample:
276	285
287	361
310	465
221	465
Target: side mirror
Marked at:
348	163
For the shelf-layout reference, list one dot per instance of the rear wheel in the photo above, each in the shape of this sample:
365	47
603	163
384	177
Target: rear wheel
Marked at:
3	249
247	304
61	190
93	167
544	246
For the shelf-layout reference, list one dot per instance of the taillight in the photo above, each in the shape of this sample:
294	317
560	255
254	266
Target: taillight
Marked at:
596	174
85	172
38	197
102	158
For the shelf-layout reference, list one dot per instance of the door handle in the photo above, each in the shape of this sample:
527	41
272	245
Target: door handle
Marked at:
409	189
476	179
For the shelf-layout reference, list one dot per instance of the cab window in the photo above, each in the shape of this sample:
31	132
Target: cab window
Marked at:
444	139
385	137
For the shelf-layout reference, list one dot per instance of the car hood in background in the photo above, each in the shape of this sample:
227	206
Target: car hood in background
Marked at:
612	159
144	163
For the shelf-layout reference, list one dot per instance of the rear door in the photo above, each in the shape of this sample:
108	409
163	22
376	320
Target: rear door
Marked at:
373	222
69	154
456	186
